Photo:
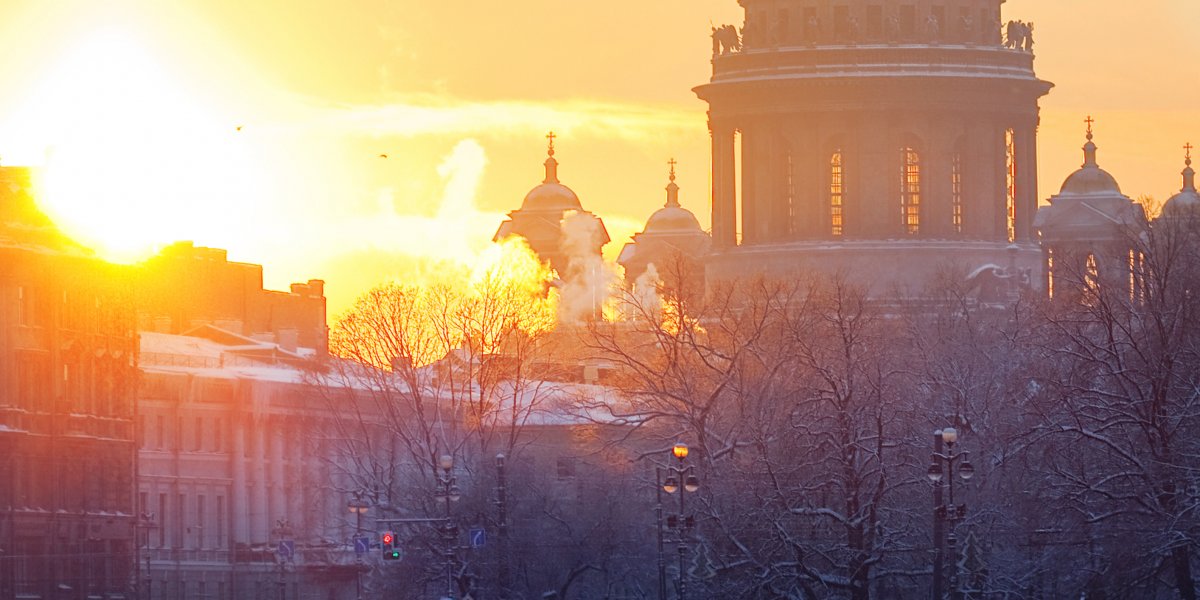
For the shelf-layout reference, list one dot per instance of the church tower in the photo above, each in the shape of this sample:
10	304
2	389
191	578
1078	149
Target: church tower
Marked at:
882	138
541	218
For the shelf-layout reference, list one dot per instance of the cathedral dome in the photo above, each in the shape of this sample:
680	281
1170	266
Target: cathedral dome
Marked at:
551	195
672	218
1187	201
1090	179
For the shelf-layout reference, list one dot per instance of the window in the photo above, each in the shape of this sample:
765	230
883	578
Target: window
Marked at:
220	535
956	193
198	435
218	436
180	518
1010	203
874	21
1050	272
24	306
159	431
836	194
162	520
908	20
787	228
200	521
910	190
566	467
841	22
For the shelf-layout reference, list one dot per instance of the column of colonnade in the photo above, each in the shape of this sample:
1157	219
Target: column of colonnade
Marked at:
871	153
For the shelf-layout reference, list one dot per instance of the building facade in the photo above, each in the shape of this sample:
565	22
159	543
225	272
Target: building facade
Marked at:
879	138
68	377
185	286
232	465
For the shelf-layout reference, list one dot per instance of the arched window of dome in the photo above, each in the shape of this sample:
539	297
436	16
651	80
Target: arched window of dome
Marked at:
1091	280
910	190
1050	274
837	193
956	189
1010	197
789	188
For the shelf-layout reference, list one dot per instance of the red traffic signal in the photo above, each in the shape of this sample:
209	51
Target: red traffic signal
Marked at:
390	551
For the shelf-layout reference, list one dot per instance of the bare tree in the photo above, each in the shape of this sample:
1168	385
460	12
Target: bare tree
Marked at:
1121	399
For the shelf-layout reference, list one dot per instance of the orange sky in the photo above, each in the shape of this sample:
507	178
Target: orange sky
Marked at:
132	106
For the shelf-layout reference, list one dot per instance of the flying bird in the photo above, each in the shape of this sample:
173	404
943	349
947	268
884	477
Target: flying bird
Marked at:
239	127
382	156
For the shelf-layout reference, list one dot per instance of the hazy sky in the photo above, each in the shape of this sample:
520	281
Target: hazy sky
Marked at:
133	107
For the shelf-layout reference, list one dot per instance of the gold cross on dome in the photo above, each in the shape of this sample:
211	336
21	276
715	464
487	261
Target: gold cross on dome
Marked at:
1089	122
672	163
1188	149
550	136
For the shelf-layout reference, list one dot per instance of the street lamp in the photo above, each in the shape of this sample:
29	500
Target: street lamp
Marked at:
359	507
679	478
282	530
947	513
447	490
146	522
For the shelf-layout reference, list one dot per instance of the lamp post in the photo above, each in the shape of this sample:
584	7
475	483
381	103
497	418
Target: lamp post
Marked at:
680	479
146	522
359	507
447	490
282	529
947	513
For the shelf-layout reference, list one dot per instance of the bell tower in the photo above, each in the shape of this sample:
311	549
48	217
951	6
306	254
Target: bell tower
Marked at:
877	137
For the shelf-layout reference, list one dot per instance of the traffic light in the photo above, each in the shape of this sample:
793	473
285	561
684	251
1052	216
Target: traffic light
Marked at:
388	543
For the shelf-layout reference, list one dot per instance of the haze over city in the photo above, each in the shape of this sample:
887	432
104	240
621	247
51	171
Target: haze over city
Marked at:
133	108
658	300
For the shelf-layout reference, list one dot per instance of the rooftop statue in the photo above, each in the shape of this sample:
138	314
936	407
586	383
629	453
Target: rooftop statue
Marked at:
726	39
1018	35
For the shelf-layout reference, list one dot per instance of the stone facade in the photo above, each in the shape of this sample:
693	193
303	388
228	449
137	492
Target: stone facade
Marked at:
67	383
185	286
231	464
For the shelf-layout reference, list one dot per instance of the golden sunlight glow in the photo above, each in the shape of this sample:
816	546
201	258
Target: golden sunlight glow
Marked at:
133	158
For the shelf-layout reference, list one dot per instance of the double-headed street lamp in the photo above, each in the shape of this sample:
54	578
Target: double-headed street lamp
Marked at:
946	512
447	489
358	507
679	479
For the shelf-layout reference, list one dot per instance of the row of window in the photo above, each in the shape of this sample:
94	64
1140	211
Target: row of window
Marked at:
910	193
79	310
178	525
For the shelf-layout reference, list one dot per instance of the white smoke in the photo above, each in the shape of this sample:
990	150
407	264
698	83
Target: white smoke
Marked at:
646	299
589	281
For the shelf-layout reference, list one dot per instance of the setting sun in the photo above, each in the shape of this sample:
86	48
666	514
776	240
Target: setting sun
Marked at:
133	158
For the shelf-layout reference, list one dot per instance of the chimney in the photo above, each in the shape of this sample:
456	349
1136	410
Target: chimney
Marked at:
317	286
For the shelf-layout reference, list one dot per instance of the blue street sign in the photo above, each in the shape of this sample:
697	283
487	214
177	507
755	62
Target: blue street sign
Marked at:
362	545
287	549
478	537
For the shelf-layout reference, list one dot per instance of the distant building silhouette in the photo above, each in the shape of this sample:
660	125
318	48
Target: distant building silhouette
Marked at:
540	219
882	139
1088	228
185	286
673	242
